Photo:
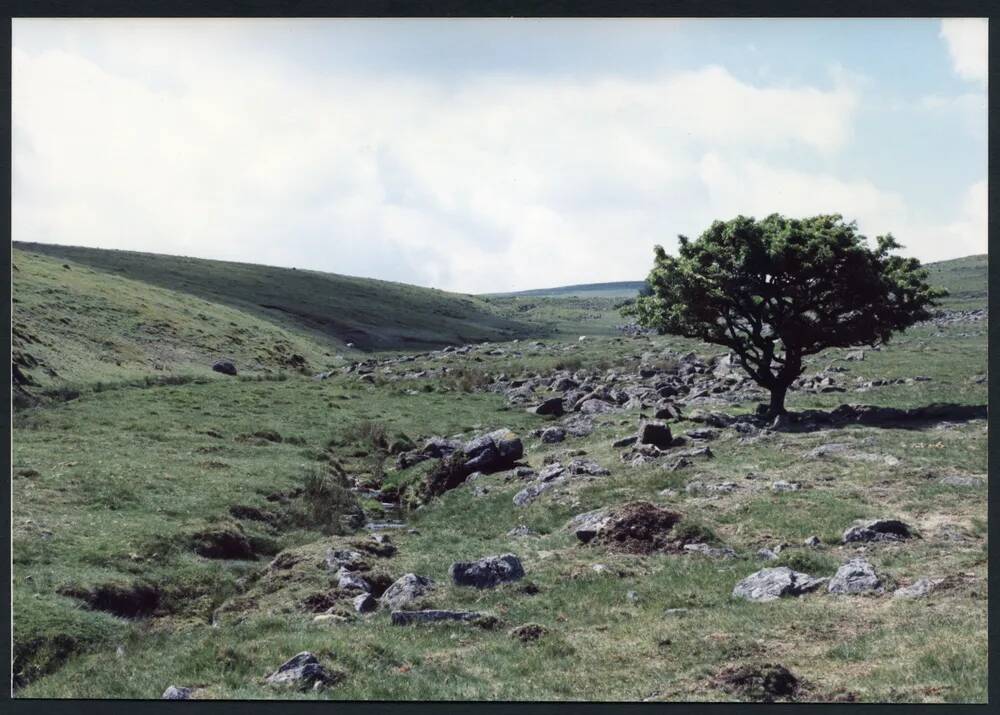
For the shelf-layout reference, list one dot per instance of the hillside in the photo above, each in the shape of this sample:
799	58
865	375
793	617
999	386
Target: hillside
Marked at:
371	314
73	325
965	279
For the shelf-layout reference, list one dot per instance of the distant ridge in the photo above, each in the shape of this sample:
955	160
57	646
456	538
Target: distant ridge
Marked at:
614	289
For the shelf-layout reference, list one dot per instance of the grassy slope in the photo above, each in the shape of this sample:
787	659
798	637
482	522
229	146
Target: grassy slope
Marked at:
84	326
135	470
620	289
372	314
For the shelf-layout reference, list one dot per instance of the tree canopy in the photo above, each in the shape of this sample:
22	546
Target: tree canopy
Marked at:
779	289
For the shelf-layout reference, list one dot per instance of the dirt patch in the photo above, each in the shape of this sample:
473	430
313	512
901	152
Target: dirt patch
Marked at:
528	632
124	601
641	528
761	683
222	543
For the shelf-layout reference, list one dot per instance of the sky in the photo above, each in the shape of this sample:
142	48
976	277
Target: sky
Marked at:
491	155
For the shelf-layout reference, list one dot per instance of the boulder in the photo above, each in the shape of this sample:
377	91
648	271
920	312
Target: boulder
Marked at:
364	603
587	525
487	572
918	589
493	452
878	530
406	591
655	433
856	576
595	406
531	492
772	583
176	693
552	406
302	671
226	367
712	552
405	618
552	435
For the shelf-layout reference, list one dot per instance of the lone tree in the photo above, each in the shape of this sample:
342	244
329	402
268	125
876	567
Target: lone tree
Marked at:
777	290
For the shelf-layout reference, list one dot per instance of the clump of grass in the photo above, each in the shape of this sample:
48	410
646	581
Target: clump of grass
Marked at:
466	379
810	562
329	506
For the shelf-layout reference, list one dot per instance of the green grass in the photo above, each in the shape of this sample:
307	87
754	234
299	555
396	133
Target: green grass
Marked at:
110	487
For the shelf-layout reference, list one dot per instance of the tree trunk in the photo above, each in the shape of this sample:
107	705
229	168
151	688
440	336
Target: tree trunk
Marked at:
777	406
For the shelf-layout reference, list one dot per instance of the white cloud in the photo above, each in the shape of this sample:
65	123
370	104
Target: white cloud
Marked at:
967	45
482	183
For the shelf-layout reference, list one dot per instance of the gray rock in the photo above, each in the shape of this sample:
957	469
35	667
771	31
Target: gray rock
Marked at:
961	480
624	442
587	467
487	572
856	576
532	492
226	367
493	452
767	555
772	583
724	552
595	406
918	589
587	525
552	406
405	618
303	671
878	530
406	591
551	471
655	433
552	435
344	558
632	597
812	542
351	580
176	693
522	530
783	486
364	603
703	433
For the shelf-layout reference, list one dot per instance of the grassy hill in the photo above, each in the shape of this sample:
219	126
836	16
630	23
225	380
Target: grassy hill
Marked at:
372	314
73	325
964	277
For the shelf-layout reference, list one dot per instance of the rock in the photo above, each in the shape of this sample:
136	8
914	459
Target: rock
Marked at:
856	576
405	618
552	435
918	589
552	406
712	552
675	612
595	406
767	555
695	488
522	530
772	583
487	572
337	559
551	471
493	452
531	492
176	693
578	425
364	603
632	597
624	442
303	671
406	591
587	525
226	367
855	356
703	433
961	480
352	581
812	542
579	467
783	486
878	530
655	433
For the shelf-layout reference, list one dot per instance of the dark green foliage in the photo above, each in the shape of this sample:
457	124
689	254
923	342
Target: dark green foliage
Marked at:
331	507
777	290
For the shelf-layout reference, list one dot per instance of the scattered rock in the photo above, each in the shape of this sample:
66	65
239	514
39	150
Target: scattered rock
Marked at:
783	486
552	406
962	480
303	671
656	433
918	589
552	435
723	552
812	542
624	442
772	583
226	367
531	492
177	693
586	526
856	576
487	572
522	530
364	603
405	618
878	530
406	591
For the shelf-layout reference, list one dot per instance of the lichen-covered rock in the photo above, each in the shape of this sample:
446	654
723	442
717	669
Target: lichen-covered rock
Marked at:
772	583
878	530
176	693
302	671
487	572
856	576
918	589
406	591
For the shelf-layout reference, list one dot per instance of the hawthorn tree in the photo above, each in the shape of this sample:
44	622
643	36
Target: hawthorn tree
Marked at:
777	290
